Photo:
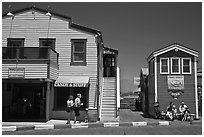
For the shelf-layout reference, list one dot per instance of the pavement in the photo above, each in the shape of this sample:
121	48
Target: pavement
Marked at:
127	118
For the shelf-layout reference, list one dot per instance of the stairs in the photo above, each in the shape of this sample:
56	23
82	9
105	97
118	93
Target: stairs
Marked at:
108	103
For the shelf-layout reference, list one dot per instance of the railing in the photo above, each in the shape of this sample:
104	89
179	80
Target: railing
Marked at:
26	53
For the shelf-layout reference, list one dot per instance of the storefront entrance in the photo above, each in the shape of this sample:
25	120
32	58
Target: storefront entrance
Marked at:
26	100
63	93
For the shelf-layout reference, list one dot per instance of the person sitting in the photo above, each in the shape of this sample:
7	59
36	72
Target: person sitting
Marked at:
170	113
186	115
182	109
174	110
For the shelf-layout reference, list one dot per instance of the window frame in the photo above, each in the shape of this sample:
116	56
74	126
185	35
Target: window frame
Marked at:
179	66
78	63
161	66
190	67
45	39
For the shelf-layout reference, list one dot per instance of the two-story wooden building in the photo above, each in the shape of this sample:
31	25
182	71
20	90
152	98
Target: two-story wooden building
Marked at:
173	78
46	58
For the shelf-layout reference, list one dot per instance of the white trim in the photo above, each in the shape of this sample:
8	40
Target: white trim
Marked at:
101	99
155	78
179	65
189	66
161	66
169	48
196	86
118	87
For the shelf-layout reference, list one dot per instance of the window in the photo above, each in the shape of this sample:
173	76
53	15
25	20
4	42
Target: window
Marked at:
61	94
15	48
186	65
78	55
164	66
47	42
175	65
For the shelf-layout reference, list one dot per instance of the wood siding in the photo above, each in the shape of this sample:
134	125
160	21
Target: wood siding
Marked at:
34	26
189	84
32	71
53	71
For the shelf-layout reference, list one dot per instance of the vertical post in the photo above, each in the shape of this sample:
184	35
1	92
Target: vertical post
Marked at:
155	78
196	87
47	101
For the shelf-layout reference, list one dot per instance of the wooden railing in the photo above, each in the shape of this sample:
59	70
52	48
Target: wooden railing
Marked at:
29	53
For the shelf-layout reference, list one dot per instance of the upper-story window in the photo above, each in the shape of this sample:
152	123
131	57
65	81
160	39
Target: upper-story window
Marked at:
15	49
175	65
78	55
47	42
164	65
186	65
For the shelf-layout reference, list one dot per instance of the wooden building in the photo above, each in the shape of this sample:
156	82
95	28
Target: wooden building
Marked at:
173	77
46	58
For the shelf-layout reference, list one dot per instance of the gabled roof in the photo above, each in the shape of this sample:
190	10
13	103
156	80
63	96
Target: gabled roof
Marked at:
72	25
174	46
111	49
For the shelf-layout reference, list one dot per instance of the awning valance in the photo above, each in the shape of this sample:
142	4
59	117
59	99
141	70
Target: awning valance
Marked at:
72	81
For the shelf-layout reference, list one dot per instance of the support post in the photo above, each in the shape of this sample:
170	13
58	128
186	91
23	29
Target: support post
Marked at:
48	101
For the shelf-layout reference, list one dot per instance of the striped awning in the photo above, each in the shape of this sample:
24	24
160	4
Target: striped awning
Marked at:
72	81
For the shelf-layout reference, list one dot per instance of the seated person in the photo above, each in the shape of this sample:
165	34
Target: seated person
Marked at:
182	109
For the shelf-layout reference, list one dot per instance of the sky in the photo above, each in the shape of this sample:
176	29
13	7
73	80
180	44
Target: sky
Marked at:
136	29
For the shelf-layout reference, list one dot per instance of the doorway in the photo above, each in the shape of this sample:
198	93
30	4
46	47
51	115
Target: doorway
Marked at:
28	101
109	65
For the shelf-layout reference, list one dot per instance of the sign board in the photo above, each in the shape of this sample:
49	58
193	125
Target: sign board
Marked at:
16	72
71	85
175	85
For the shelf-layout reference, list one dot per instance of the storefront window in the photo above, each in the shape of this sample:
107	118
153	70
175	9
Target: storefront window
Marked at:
63	93
164	66
175	65
78	55
186	66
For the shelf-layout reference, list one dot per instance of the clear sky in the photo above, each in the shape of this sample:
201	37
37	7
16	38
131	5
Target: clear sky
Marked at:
136	29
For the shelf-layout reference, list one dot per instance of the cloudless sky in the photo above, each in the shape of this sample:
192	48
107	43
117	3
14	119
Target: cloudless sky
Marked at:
136	29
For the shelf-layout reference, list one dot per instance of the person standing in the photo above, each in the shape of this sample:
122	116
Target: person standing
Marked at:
69	109
77	105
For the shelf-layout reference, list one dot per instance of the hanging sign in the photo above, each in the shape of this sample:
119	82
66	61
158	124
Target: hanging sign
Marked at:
16	72
175	86
71	85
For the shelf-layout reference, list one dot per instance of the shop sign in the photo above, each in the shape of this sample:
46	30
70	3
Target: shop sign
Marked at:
71	84
175	86
16	72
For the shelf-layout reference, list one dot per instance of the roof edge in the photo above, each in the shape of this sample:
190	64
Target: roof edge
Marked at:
37	9
170	47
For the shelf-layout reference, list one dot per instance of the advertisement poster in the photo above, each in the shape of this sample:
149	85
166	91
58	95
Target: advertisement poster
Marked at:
175	86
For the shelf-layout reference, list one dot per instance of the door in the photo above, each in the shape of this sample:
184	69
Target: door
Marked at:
109	65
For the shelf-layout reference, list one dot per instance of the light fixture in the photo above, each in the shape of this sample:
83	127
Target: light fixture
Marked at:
10	14
48	14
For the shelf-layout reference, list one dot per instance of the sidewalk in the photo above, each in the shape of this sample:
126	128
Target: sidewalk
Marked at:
127	118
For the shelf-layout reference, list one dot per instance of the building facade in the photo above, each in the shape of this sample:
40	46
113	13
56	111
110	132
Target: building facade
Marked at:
173	78
46	58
